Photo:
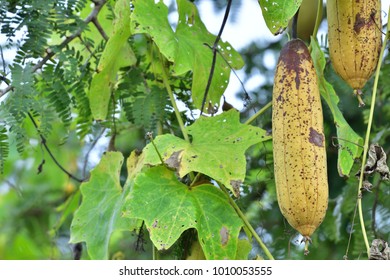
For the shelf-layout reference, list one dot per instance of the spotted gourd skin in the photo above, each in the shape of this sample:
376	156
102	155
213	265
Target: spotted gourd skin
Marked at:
298	140
355	38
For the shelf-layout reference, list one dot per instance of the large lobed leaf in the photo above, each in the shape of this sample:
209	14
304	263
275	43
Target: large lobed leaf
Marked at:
217	149
349	139
277	13
169	207
187	46
100	213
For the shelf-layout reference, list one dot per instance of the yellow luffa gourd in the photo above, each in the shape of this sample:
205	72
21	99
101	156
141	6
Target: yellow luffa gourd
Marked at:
355	39
298	140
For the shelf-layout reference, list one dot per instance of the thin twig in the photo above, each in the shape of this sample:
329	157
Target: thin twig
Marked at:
149	135
215	51
13	186
87	47
100	28
43	141
50	52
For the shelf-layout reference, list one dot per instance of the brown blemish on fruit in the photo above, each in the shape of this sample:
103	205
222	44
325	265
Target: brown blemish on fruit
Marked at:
292	55
360	21
316	137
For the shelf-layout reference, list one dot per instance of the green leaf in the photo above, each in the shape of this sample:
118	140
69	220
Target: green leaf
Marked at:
186	47
243	249
349	140
99	214
217	149
152	18
277	13
66	209
116	54
169	207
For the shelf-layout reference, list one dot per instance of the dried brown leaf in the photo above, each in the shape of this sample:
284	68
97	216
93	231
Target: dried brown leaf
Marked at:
376	162
379	250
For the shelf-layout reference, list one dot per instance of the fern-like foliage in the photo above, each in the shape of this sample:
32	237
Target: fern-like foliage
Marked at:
55	90
143	105
16	107
149	108
81	101
39	20
4	147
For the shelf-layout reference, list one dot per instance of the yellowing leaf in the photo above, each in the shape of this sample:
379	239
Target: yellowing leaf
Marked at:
116	54
217	149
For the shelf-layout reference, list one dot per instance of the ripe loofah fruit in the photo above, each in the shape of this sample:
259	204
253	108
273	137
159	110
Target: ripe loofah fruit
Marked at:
298	140
355	39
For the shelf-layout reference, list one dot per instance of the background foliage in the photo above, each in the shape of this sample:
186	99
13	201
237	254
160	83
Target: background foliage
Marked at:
92	85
